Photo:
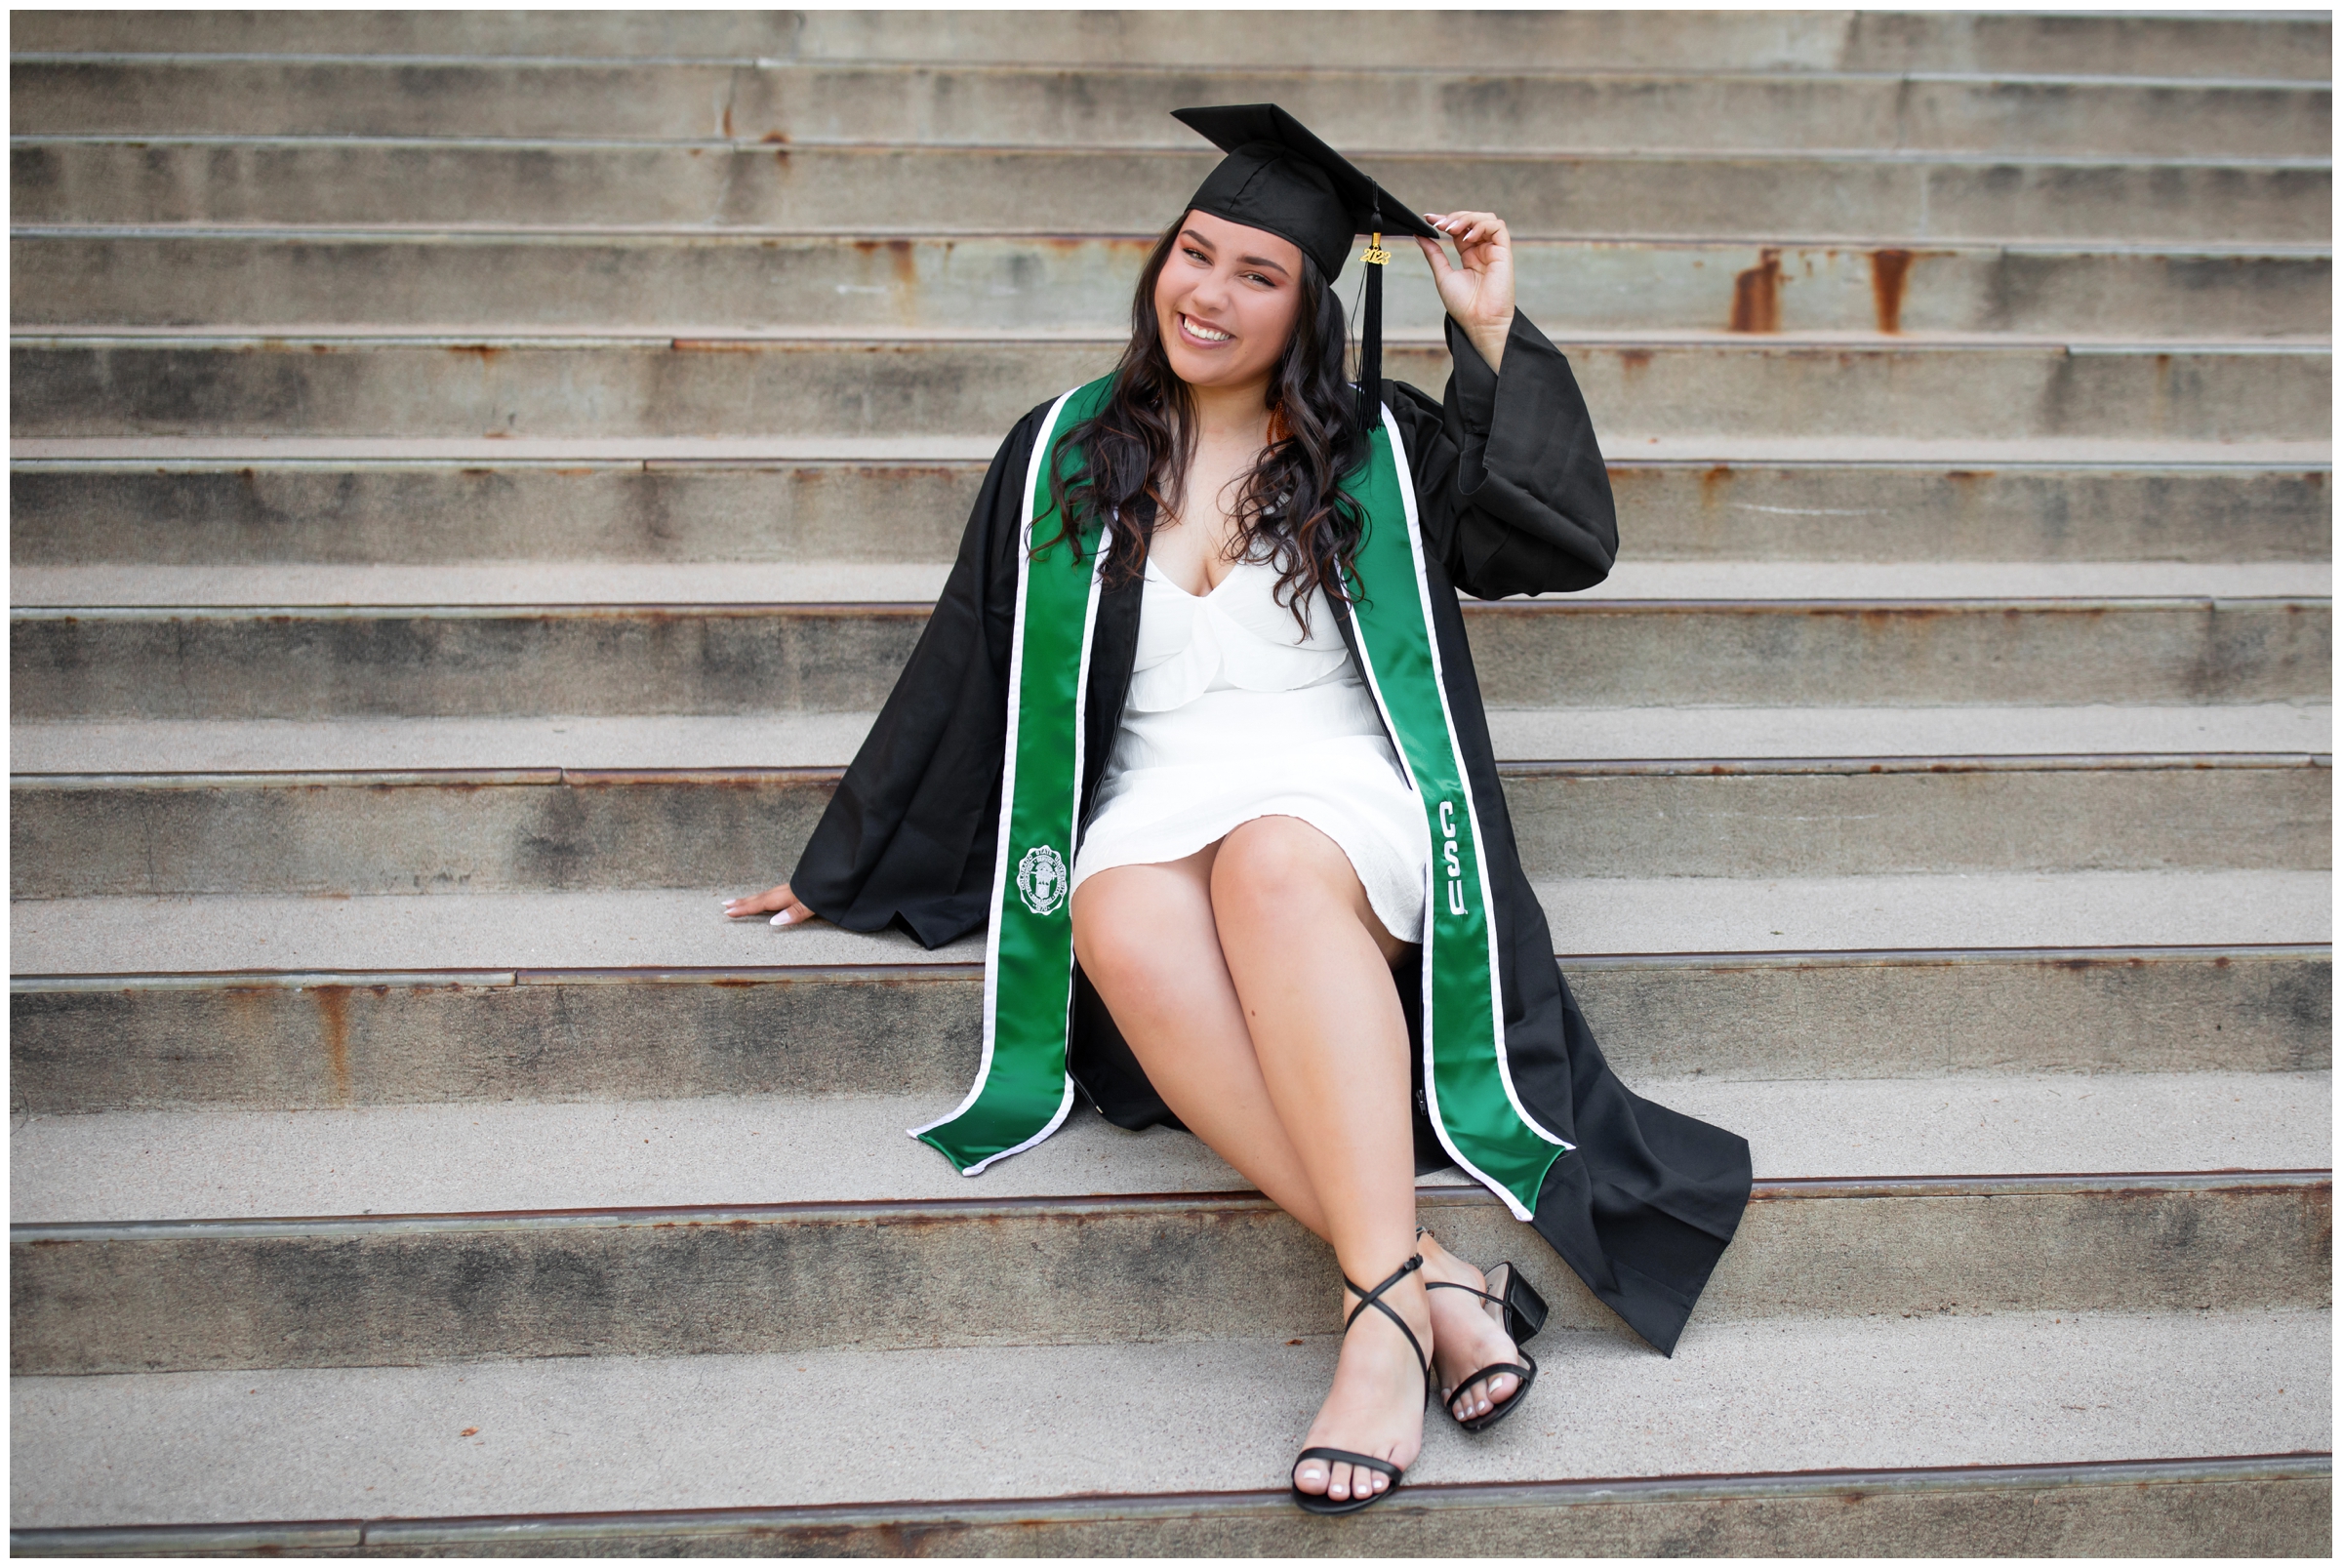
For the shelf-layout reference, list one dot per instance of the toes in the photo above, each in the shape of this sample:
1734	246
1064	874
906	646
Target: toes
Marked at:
1500	1387
1339	1491
1310	1475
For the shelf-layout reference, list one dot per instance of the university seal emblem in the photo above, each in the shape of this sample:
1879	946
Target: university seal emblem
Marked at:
1041	880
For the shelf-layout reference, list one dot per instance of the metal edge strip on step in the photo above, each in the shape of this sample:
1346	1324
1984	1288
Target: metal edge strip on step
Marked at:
933	1211
475	778
1860	609
2220	955
1839	1487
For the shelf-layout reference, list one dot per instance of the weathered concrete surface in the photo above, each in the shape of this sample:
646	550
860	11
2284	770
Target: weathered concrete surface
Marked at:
344	1293
786	1148
831	739
511	830
1600	917
811	583
457	661
255	512
2187	45
704	282
2272	1507
1774	1396
1765	197
78	1046
1821	1393
540	386
796	103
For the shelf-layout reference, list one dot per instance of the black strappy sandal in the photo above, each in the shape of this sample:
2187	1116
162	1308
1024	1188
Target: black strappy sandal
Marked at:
1522	1315
1318	1502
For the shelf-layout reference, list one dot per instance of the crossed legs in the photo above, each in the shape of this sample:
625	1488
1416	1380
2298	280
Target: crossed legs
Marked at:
1252	980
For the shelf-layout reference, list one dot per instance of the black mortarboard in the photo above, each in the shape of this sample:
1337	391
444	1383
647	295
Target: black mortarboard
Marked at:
1279	177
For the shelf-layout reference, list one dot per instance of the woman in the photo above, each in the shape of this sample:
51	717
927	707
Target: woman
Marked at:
1202	640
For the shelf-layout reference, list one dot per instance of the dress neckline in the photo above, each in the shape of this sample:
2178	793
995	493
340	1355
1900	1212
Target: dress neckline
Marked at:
1160	576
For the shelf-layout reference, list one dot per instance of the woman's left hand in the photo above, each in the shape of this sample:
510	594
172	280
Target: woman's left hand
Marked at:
1479	292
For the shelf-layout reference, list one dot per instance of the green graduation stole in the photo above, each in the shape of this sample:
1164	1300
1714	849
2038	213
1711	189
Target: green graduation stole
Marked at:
1023	1091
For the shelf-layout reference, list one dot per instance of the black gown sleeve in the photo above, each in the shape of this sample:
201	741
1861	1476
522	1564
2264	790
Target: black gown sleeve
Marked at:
908	839
1510	484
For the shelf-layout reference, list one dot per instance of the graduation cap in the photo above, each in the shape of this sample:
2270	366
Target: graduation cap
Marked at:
1280	178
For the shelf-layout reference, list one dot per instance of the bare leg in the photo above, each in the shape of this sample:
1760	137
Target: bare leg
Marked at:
1155	943
1150	943
1146	938
1311	965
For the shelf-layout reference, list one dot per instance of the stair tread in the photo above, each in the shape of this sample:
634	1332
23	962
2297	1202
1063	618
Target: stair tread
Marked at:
1179	1416
180	746
668	928
774	1148
527	582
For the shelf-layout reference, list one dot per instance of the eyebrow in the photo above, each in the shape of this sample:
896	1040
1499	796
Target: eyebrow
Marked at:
1249	260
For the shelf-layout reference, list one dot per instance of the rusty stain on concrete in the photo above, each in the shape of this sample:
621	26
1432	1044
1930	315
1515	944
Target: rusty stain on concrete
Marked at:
1756	294
1889	271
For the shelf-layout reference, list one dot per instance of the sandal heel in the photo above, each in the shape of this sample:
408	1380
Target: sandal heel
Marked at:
1524	1309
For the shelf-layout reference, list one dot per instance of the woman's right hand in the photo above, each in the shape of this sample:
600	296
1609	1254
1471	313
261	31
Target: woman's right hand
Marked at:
791	909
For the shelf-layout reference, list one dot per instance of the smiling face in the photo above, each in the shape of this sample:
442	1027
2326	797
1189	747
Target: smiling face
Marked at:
1225	301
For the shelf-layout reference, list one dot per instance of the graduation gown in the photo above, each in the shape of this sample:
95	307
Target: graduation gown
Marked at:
1512	498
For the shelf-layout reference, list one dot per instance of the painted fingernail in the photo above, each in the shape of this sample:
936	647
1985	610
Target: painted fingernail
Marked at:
782	918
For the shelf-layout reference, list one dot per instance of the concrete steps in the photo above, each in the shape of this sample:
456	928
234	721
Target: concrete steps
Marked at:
90	383
193	503
853	582
136	1168
2185	45
1866	196
469	490
678	928
316	662
1933	1392
729	1010
516	830
304	281
906	1274
769	741
798	104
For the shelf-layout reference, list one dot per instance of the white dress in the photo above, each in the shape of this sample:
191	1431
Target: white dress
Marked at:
1234	714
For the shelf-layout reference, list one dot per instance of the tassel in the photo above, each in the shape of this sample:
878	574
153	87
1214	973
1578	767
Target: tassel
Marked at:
1370	337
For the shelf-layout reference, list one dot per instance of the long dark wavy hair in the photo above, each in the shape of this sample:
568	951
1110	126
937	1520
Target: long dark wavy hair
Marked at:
1290	510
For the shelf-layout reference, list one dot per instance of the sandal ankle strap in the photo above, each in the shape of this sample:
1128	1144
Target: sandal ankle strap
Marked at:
1374	1299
